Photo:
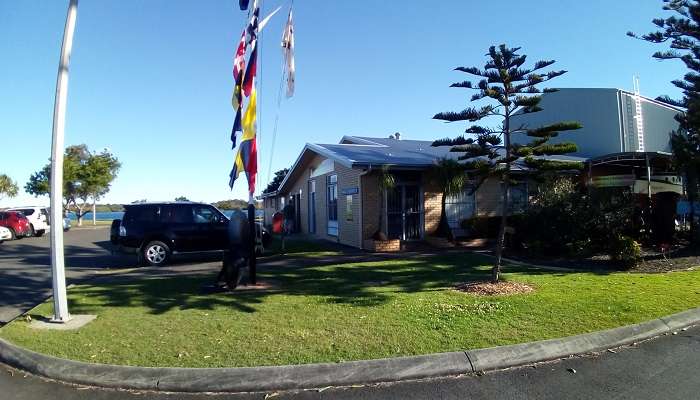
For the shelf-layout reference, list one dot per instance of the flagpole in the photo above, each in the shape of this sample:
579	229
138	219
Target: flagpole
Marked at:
252	263
60	301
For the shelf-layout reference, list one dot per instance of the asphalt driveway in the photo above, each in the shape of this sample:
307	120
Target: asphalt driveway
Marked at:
25	266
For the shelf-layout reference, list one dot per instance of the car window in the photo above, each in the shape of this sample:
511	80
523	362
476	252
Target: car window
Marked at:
27	211
177	214
205	215
142	214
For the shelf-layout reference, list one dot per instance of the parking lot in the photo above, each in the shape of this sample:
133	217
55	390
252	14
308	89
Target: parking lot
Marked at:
25	266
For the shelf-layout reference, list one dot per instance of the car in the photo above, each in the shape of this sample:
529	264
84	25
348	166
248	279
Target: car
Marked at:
38	219
16	222
5	234
158	230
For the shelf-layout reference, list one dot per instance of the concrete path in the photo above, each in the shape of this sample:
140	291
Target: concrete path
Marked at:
25	267
663	368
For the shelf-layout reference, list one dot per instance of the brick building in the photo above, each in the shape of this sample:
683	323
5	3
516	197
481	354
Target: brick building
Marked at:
333	190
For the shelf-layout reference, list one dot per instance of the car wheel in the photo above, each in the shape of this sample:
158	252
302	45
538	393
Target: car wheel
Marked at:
31	232
39	233
155	253
13	235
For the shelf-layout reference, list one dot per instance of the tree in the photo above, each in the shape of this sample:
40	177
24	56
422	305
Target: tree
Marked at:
235	204
682	32
276	181
509	88
385	182
451	177
8	187
181	198
86	176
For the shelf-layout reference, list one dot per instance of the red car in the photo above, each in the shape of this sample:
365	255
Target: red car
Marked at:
16	222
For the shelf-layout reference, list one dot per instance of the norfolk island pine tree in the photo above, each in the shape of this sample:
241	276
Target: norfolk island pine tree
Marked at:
508	88
682	33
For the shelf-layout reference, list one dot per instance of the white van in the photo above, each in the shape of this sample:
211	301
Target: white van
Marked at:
38	219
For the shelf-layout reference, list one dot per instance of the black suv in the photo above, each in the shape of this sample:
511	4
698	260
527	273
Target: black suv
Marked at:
157	230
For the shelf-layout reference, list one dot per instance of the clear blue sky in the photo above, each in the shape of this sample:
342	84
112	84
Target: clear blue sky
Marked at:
151	80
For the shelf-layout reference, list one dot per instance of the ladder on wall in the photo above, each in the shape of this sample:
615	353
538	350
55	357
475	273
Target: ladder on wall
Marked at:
639	121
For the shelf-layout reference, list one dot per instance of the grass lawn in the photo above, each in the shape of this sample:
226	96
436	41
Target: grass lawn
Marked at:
87	223
347	312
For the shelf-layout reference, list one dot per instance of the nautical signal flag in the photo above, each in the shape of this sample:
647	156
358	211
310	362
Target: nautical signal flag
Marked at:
237	97
288	51
247	155
243	4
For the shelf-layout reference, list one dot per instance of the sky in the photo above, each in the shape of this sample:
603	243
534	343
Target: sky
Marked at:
151	79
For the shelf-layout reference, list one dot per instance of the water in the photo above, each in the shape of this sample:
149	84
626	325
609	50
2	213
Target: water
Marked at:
110	215
100	216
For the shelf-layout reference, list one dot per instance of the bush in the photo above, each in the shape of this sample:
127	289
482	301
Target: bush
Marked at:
625	250
565	220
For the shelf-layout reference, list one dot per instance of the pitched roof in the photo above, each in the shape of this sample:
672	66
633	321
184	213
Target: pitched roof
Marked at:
358	151
365	152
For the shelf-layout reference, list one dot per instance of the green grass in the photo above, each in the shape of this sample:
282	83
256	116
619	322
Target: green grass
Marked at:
347	312
87	223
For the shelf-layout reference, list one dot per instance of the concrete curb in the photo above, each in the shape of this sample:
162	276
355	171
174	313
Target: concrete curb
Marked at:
256	379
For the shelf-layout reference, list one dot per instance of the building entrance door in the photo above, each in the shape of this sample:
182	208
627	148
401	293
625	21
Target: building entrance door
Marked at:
404	212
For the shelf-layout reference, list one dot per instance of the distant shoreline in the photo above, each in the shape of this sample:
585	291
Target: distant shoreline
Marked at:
111	215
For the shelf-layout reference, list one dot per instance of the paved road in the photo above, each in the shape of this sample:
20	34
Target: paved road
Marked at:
664	368
25	266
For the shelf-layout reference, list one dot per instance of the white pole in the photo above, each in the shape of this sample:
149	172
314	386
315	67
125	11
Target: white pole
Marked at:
60	302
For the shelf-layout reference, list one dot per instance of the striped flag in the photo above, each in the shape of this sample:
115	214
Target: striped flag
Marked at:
251	68
247	155
237	97
288	50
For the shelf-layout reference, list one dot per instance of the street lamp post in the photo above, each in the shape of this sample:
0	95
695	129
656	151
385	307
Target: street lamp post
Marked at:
60	301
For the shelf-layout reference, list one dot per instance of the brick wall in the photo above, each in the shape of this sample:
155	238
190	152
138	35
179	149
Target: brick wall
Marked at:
348	223
432	207
370	205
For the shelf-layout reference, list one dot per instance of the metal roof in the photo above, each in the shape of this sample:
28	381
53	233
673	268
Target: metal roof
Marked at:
369	152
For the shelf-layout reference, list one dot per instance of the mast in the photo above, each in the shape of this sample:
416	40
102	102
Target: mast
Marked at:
60	302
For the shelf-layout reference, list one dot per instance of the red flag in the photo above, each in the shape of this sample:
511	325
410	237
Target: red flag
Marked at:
239	60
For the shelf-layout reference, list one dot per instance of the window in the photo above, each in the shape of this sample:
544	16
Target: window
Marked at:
518	199
332	203
142	214
461	206
348	207
204	215
333	198
177	214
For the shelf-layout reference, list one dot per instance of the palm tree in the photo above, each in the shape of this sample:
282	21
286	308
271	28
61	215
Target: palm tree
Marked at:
386	182
8	187
451	177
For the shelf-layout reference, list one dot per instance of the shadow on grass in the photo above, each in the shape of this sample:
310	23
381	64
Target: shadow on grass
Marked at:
358	284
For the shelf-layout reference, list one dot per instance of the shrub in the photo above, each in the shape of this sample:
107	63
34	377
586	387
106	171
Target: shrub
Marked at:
625	250
565	220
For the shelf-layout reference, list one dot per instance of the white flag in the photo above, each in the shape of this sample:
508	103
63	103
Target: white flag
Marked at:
288	49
